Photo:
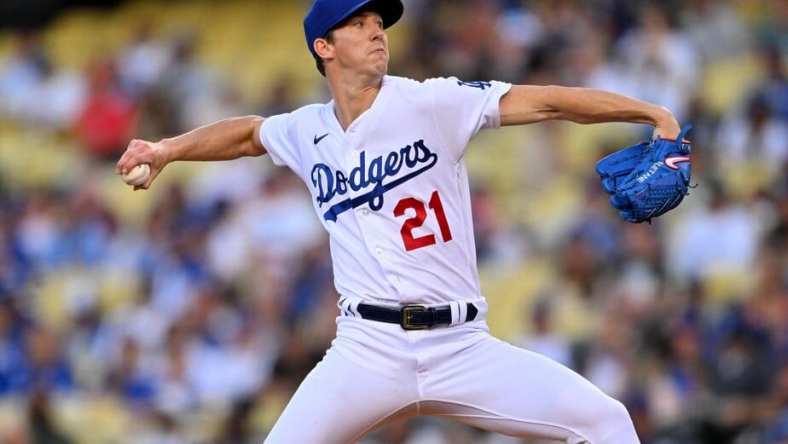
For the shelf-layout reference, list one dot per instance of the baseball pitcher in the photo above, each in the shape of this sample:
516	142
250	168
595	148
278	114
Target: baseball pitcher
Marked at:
383	162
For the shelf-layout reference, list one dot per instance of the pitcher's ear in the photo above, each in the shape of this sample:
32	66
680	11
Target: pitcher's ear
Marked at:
323	48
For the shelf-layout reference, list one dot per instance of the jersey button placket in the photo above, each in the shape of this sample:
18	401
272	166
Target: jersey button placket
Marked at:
352	159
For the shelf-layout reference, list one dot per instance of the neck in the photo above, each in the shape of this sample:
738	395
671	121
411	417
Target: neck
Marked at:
353	96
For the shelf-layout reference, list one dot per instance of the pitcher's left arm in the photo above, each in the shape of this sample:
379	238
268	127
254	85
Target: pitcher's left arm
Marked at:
525	104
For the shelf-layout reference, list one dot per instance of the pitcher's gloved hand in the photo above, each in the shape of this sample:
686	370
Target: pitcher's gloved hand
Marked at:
648	179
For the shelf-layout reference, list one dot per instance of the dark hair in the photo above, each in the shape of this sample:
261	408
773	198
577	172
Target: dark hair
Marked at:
318	60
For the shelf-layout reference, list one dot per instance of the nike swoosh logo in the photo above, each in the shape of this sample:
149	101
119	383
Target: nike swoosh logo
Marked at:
318	139
672	162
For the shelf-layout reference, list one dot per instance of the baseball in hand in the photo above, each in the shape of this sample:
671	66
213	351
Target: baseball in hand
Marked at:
138	175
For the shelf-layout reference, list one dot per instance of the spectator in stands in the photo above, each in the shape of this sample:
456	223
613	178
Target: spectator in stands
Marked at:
108	119
722	238
661	62
42	424
542	338
142	62
45	367
755	138
21	73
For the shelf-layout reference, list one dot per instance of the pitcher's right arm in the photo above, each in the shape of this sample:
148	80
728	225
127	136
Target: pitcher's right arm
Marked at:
223	140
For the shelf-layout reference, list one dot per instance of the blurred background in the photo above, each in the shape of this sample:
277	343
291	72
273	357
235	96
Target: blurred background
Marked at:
190	313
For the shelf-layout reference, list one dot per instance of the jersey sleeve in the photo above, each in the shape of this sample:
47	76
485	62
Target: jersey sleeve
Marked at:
279	136
462	109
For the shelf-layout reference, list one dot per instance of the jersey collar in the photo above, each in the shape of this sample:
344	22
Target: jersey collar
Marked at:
366	117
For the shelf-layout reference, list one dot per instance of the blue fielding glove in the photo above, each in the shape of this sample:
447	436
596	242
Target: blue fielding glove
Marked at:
648	179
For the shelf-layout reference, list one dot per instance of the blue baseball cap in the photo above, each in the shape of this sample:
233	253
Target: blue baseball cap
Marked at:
327	14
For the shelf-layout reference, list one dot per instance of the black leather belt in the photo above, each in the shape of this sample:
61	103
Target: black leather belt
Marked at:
413	317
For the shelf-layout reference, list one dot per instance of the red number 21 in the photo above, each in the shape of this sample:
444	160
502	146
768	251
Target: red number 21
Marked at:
413	243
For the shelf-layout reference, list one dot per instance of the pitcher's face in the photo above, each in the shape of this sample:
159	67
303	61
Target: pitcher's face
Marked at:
361	44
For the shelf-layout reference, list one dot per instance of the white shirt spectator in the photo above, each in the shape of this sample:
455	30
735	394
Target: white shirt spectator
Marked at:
708	240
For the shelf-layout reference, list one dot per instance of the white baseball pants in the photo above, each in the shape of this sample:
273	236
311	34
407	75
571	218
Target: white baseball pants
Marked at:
374	372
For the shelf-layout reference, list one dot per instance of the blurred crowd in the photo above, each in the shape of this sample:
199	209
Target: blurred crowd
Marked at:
197	322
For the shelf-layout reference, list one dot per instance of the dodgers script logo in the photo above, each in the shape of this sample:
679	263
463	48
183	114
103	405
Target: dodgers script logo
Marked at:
417	158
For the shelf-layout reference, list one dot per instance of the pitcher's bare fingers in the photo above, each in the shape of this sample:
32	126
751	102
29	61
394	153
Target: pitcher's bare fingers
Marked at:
139	152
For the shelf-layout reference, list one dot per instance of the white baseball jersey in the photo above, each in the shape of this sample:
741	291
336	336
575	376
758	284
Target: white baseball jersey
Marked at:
393	193
392	190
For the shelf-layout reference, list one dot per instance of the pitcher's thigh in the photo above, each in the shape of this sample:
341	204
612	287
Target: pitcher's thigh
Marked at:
337	403
508	390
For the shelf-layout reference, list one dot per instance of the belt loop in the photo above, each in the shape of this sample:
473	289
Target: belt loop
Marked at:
341	305
455	308
347	307
354	308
